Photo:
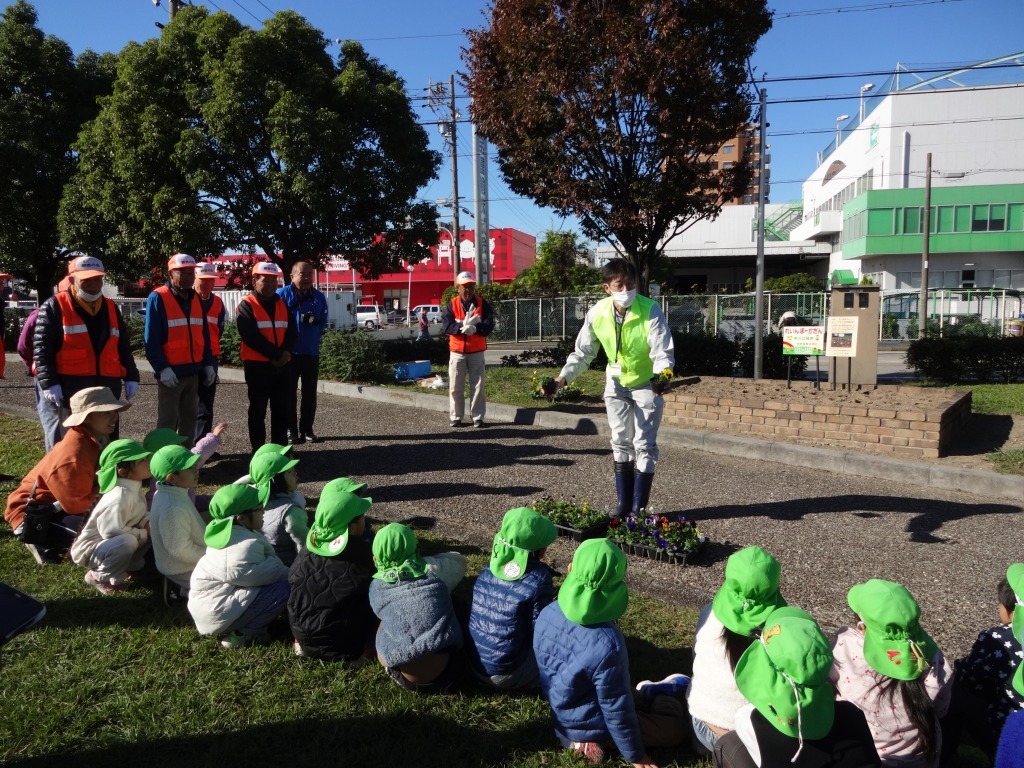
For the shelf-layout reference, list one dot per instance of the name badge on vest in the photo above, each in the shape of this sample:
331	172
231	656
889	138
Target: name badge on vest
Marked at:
615	369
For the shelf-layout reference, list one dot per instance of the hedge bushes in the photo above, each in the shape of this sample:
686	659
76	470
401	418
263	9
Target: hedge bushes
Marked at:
968	358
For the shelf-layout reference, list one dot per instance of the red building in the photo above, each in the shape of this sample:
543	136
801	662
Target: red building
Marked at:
512	251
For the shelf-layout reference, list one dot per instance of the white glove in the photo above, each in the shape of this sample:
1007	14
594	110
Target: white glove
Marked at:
472	319
167	377
469	330
209	375
54	395
130	388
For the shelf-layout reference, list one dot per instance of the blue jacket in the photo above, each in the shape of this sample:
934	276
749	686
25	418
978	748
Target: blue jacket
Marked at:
1011	743
155	334
584	674
416	618
502	618
314	303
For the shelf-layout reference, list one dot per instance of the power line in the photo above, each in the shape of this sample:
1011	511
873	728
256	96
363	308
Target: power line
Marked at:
863	127
247	11
815	99
932	70
895	4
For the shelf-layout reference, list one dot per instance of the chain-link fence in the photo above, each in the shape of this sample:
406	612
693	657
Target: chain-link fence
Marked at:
993	311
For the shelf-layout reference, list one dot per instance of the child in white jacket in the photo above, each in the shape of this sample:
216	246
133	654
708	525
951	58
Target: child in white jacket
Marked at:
239	586
176	524
114	539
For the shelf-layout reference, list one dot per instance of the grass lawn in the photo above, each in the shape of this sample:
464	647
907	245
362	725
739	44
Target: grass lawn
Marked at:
512	386
124	680
996	398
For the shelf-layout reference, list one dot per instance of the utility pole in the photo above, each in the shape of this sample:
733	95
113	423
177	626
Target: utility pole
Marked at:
436	93
481	211
922	314
759	285
173	6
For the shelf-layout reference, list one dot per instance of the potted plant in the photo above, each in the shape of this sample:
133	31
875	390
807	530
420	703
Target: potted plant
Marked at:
576	520
671	539
545	388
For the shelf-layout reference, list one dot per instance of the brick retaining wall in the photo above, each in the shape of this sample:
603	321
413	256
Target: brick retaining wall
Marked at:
913	432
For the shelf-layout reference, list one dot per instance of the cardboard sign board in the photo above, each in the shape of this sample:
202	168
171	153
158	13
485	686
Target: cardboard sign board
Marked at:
803	340
842	337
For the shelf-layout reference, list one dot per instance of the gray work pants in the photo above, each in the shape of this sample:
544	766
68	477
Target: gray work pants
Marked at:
458	366
176	407
634	416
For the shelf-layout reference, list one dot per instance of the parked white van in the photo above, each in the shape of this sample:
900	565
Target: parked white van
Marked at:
370	316
433	312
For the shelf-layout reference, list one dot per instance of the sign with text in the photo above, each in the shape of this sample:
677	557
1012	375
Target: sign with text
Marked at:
803	340
842	337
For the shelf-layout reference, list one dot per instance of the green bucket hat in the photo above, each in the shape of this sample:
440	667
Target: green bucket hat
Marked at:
394	549
750	591
894	643
161	438
1015	577
171	458
227	504
115	453
594	590
328	536
785	675
264	468
283	450
523	531
343	484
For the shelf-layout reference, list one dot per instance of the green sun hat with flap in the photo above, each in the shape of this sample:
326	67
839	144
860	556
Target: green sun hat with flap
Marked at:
328	536
750	591
523	531
595	590
1015	577
171	458
394	549
227	504
344	484
264	468
784	674
895	645
161	438
117	452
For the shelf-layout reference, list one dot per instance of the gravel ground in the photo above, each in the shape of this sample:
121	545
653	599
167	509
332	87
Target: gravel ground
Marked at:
829	532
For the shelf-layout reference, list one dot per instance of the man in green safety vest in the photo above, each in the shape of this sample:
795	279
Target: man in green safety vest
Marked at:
634	334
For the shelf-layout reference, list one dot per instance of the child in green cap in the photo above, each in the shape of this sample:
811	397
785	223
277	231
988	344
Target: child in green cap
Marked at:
298	499
793	718
508	596
892	670
284	524
239	586
115	538
205	448
584	668
725	629
176	524
329	606
419	641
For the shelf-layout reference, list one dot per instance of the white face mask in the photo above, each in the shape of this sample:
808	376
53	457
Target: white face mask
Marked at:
89	296
623	298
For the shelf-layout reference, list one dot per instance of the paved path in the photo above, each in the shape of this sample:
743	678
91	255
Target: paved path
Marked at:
828	530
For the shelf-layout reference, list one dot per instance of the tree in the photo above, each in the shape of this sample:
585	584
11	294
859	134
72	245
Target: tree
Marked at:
219	135
800	282
46	94
609	110
562	266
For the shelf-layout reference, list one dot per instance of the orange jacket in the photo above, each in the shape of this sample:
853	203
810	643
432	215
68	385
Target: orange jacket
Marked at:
76	356
213	314
272	330
185	344
460	343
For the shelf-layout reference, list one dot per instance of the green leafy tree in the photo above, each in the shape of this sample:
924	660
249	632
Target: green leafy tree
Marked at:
562	267
46	94
801	282
610	111
217	134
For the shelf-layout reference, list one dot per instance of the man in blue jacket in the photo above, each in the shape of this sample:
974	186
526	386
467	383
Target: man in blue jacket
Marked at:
308	307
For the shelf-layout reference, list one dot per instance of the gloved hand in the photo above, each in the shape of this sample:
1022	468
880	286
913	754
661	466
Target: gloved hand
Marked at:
209	375
130	388
168	378
469	330
54	395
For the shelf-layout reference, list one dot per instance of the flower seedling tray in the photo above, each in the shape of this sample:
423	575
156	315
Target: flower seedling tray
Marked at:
654	553
595	531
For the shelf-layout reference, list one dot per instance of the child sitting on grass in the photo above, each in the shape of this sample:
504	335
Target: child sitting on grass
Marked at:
893	671
329	605
284	524
175	523
115	538
584	667
207	446
507	599
284	450
419	641
239	586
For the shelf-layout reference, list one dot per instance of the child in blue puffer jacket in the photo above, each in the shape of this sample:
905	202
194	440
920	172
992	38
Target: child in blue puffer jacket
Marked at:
507	599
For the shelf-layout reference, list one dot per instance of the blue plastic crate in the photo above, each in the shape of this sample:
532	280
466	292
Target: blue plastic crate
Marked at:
416	370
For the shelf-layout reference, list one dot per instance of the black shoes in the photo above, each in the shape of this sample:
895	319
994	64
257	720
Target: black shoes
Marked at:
306	437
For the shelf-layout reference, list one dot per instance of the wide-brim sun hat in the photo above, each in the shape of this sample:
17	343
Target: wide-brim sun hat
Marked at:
595	592
895	645
328	536
750	591
523	532
93	400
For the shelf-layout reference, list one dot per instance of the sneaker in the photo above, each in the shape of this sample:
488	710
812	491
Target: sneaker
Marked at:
673	685
46	556
235	640
172	593
101	586
590	750
309	437
298	649
456	423
478	423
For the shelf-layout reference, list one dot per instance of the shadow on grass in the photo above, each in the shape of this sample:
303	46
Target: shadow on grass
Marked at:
984	434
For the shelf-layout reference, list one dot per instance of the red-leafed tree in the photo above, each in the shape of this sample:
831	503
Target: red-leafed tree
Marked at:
608	109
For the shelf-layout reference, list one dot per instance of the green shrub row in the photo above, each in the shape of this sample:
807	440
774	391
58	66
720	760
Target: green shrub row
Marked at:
953	359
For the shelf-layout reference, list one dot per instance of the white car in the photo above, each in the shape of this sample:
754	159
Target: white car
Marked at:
433	312
370	316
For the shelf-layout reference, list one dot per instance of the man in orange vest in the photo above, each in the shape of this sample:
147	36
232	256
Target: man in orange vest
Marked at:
267	331
214	312
79	343
178	347
467	319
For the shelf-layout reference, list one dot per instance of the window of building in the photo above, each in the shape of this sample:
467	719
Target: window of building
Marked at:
907	280
984	278
962	219
880	221
911	221
997	218
727	149
727	165
1015	217
979	218
945	218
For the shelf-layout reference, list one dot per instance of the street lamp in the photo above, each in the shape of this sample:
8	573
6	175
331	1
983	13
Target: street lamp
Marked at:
839	136
864	89
408	298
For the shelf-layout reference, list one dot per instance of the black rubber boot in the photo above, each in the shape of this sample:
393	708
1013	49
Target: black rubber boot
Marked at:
623	487
641	490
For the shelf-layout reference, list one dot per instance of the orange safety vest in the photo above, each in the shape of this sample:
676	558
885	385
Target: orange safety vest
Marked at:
269	328
466	345
213	321
76	356
184	344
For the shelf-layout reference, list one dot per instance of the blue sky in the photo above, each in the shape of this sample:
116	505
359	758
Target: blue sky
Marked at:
422	42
